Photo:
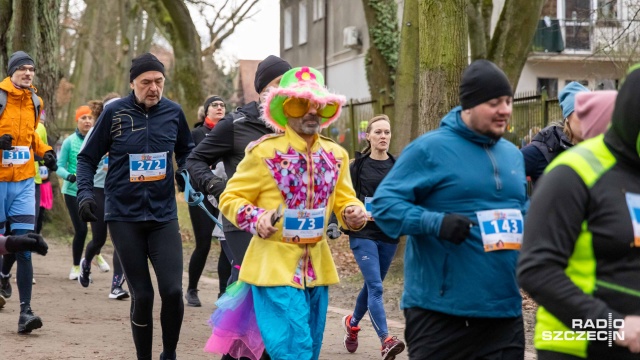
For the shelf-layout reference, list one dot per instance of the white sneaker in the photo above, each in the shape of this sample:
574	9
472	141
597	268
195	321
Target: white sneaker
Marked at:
74	273
33	281
102	263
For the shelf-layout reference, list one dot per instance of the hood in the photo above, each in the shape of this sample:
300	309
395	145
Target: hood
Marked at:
625	122
554	138
251	111
453	121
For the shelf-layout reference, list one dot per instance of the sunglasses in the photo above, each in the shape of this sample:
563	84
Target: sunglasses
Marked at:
297	107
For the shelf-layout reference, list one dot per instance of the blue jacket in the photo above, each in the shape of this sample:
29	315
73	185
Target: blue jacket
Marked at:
126	128
453	170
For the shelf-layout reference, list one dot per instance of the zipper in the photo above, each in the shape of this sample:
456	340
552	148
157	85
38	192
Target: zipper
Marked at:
310	196
146	149
496	173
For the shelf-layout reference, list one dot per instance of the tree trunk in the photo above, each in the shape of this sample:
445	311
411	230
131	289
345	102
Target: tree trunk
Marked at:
443	57
406	104
24	34
382	57
6	11
48	55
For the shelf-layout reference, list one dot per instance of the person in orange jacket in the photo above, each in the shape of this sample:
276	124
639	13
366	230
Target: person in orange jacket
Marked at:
19	144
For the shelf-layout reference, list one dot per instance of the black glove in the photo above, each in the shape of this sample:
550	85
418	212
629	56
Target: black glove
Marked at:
216	186
87	210
28	242
71	178
50	160
180	181
455	228
333	232
5	142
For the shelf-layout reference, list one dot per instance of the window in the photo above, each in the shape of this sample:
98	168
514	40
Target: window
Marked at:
318	9
302	22
585	83
288	42
577	16
577	10
607	13
548	85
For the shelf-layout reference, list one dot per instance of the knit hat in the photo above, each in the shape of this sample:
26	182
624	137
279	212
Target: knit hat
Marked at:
143	63
568	97
209	101
301	82
481	82
18	59
269	69
594	109
82	110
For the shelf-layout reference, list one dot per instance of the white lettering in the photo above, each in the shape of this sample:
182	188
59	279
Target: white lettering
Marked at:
618	323
576	323
547	335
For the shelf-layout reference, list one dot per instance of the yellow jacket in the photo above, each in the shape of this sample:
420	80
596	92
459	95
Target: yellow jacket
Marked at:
276	171
19	121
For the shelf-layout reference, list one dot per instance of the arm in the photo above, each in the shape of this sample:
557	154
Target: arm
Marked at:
63	159
345	196
184	142
546	250
37	144
395	203
534	162
95	147
217	144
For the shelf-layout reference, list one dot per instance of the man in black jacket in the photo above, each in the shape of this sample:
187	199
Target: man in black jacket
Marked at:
227	142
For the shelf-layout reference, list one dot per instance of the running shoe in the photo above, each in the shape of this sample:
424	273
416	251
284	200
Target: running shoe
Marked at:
85	273
103	265
351	337
2	301
5	286
118	293
74	273
28	321
391	347
33	281
192	298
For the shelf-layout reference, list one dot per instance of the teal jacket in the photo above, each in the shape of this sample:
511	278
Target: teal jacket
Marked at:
68	160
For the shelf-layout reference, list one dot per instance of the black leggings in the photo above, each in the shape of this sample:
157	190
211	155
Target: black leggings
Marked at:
79	226
202	229
99	237
237	243
160	242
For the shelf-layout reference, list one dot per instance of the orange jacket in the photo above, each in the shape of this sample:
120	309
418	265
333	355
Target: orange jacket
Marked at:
18	120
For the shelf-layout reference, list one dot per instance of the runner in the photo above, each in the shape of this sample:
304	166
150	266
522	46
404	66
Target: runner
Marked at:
67	162
581	263
141	132
19	144
300	171
99	227
372	249
461	299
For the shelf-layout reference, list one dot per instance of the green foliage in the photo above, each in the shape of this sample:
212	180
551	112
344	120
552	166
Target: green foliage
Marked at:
384	33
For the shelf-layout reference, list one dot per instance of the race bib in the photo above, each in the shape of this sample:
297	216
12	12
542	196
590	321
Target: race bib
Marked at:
20	155
303	226
147	167
105	163
633	202
44	172
501	229
368	207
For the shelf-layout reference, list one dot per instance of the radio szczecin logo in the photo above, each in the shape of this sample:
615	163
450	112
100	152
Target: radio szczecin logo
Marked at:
589	330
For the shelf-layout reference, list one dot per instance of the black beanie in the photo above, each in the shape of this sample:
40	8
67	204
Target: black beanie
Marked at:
269	69
481	82
209	101
143	63
18	59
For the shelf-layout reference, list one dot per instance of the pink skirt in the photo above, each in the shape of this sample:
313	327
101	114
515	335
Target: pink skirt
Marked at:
46	195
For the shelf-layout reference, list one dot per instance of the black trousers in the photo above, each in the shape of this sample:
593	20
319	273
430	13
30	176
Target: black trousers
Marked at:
434	335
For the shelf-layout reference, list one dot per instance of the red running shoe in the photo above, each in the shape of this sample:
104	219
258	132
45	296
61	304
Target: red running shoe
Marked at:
392	347
351	337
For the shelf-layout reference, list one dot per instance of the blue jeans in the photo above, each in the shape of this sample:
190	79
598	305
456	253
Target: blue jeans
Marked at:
374	258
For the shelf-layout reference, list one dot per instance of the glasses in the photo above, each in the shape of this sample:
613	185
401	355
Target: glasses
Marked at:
220	105
25	69
297	107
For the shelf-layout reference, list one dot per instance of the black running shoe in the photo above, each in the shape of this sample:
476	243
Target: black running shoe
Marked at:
118	293
192	298
85	273
5	286
28	321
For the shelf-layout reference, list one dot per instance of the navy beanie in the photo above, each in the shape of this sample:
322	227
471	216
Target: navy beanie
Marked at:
18	59
209	101
269	69
143	63
481	82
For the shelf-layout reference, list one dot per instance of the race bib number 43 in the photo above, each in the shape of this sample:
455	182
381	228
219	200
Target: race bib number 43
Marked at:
303	226
147	167
501	229
20	155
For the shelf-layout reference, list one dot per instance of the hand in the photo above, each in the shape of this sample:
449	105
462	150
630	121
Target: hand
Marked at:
631	331
264	227
28	242
455	228
216	186
71	178
5	142
50	160
354	216
87	210
180	181
333	232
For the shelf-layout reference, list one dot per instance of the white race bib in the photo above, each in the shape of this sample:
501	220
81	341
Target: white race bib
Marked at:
20	155
501	229
633	202
147	167
303	226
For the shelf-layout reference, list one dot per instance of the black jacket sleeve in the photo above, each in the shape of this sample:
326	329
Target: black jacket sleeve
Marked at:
534	162
553	224
96	146
184	142
217	144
